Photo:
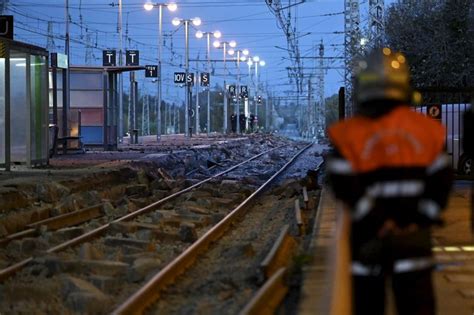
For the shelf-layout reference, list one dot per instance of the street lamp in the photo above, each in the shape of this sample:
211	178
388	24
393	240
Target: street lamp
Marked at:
247	109
196	22
241	56
255	61
218	44
171	7
200	35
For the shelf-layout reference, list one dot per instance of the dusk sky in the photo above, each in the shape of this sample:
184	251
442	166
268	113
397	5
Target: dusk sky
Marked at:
249	22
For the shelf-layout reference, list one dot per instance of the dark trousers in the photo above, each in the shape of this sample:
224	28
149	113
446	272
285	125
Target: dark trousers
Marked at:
413	293
412	289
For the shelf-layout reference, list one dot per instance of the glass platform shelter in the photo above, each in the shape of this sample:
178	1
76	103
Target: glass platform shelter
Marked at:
23	104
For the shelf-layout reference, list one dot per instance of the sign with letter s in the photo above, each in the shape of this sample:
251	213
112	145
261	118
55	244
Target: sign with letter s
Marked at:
205	79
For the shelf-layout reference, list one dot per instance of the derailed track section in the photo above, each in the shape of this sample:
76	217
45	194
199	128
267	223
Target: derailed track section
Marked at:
210	276
93	272
85	215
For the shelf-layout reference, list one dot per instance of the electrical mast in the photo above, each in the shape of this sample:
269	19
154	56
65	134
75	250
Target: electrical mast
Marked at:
376	25
351	48
283	15
3	6
321	110
50	45
89	54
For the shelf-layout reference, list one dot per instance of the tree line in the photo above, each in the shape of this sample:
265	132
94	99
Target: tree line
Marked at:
437	36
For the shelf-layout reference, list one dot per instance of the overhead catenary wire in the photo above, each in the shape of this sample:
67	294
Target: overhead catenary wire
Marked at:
106	36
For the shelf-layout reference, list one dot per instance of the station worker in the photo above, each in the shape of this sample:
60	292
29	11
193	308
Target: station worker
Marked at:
389	169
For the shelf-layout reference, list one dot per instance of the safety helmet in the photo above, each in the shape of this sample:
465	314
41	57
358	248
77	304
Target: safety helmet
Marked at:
382	75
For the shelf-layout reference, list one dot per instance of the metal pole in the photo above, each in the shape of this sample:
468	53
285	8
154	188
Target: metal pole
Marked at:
186	110
129	109
225	90
143	115
311	125
65	132
247	112
209	87
197	97
160	41
7	117
120	83
267	120
237	105
256	91
147	129
133	94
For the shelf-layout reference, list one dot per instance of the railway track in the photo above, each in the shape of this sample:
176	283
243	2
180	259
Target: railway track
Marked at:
50	232
123	250
220	272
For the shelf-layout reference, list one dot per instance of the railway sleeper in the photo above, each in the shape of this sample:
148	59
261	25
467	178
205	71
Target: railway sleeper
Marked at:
71	218
144	232
54	265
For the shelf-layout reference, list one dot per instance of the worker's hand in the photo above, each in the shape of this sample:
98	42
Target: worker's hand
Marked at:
391	228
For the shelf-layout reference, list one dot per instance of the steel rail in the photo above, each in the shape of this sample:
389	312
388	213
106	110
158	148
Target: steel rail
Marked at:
12	269
17	235
273	268
150	292
269	296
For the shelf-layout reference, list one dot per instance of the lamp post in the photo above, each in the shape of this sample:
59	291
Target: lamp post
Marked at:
257	62
176	22
241	56
172	7
218	44
247	108
120	76
200	35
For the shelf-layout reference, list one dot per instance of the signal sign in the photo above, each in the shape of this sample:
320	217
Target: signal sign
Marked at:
205	79
180	78
132	58
244	91
109	58
151	71
232	91
190	79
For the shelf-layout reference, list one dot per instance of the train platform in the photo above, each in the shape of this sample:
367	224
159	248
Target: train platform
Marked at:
128	150
325	287
180	140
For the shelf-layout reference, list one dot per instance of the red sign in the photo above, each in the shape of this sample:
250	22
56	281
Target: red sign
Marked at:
434	111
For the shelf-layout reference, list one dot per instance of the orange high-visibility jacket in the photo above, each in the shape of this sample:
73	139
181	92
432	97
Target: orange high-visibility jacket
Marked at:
390	167
401	138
